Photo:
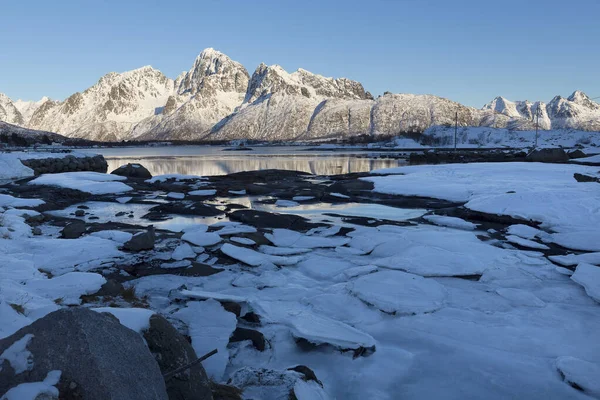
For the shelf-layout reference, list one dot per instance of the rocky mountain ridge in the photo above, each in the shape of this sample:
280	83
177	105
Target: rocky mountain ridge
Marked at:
217	99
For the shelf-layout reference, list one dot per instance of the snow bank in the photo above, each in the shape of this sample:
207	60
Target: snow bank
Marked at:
12	168
90	182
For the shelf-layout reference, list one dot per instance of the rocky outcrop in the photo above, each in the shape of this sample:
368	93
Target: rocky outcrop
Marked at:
68	163
98	357
9	112
132	171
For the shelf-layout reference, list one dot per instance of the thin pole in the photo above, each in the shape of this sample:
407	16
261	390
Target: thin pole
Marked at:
455	130
537	124
171	374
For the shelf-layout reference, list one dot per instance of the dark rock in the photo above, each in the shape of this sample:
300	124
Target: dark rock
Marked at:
232	307
141	241
82	207
171	351
548	155
36	231
79	213
254	189
257	338
133	171
110	288
99	358
263	219
309	374
251	317
577	154
73	230
355	185
120	214
585	178
225	392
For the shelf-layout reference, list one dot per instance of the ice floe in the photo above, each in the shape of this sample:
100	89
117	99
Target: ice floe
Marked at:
90	182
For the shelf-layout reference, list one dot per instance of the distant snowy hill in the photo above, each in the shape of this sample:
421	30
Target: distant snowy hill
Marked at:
218	100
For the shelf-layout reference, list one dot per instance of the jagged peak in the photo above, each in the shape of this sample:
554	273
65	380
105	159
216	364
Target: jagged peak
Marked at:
577	96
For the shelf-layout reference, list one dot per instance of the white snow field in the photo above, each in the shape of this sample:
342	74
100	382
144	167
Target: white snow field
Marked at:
544	193
435	309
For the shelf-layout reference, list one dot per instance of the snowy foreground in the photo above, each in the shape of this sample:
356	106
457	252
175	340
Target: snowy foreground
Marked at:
432	307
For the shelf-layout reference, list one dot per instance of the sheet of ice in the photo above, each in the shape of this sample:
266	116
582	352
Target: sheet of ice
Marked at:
434	251
520	297
312	327
289	238
90	182
204	295
286	203
183	251
200	238
341	196
451	222
581	239
595	159
574	259
319	211
526	242
36	390
8	201
238	192
19	358
116	236
176	195
282	251
176	264
255	259
58	256
321	267
203	192
176	177
243	240
68	288
309	390
399	292
136	319
233	228
123	200
302	198
588	276
579	372
210	327
524	231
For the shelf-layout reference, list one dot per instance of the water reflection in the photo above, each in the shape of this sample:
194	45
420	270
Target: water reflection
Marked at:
221	165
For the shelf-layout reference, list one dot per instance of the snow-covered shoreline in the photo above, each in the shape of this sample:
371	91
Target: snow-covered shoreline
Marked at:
378	307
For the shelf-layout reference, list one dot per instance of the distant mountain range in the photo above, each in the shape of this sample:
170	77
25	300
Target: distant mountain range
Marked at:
218	100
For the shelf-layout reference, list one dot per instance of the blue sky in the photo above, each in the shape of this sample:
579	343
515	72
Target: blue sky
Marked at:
469	51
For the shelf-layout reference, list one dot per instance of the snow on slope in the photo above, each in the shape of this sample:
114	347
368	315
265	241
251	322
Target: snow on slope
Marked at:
217	100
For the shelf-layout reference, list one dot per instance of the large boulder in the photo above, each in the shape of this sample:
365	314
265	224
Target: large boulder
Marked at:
141	241
133	171
73	230
171	350
548	155
98	357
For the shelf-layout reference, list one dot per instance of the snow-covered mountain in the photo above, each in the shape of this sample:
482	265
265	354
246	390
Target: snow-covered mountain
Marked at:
577	111
9	112
216	99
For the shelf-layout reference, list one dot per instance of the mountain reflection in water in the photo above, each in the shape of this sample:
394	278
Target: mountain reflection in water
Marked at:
220	165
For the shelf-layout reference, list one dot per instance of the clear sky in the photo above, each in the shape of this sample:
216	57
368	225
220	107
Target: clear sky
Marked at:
469	51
